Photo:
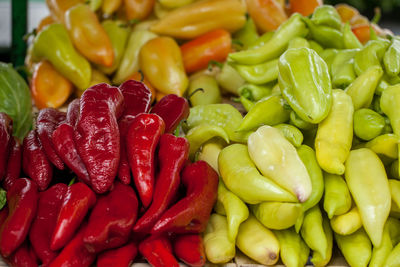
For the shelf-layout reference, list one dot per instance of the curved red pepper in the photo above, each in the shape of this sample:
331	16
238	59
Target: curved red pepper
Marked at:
35	162
172	155
5	137
112	218
47	121
97	135
14	163
124	171
191	214
189	248
22	257
142	140
172	109
158	251
118	257
42	228
76	204
22	204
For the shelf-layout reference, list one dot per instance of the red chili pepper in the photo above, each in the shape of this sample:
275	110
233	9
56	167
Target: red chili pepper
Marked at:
142	140
118	257
75	254
158	251
35	162
97	135
112	219
214	45
73	112
189	248
47	121
191	214
172	109
76	204
124	171
5	137
22	257
42	228
14	163
172	155
22	203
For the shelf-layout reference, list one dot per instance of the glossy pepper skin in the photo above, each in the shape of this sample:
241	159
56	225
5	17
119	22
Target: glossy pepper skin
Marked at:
54	44
189	248
58	8
5	137
158	251
118	257
326	36
391	59
35	162
76	203
46	122
268	15
172	109
100	107
138	9
49	205
191	214
22	257
22	204
142	140
172	155
311	101
14	164
111	219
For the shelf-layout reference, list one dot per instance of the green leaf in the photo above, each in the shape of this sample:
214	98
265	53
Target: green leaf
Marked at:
3	198
15	100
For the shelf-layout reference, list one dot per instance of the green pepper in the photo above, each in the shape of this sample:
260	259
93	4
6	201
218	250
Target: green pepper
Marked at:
291	133
210	93
300	123
394	169
255	92
294	251
347	223
246	103
318	259
342	69
54	44
337	199
298	42
268	111
247	35
305	83
260	73
316	47
391	59
368	124
382	85
349	38
278	43
393	258
277	215
385	144
229	79
261	40
356	248
327	36
370	55
328	16
328	55
380	254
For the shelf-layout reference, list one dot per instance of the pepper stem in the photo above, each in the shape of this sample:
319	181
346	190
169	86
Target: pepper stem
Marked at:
195	91
141	75
214	63
72	181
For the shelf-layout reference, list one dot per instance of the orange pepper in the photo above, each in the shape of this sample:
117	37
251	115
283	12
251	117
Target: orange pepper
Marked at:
214	45
44	22
363	32
49	88
346	12
304	7
358	20
139	76
88	36
59	7
110	6
138	9
268	15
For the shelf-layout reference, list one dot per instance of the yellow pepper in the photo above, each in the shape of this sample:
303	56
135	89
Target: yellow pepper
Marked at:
161	61
59	7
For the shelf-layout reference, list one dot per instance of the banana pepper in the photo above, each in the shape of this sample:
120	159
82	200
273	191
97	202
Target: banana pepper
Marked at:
391	59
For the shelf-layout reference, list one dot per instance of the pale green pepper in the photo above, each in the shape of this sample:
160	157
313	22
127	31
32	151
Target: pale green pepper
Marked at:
247	35
255	92
229	79
294	251
291	133
368	124
356	248
337	198
370	55
347	223
260	73
300	123
326	36
381	253
277	215
342	68
298	42
317	258
328	16
393	258
316	47
208	90
385	144
391	59
261	40
350	40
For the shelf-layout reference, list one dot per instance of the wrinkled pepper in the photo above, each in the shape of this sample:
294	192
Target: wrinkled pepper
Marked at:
158	251
138	9
191	213
22	205
14	164
268	15
6	125
118	257
55	45
189	248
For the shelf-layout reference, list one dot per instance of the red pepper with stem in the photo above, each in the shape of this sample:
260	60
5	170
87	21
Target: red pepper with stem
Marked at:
22	204
5	137
22	257
42	228
14	163
191	214
189	248
158	251
142	140
76	203
172	155
172	109
112	219
118	257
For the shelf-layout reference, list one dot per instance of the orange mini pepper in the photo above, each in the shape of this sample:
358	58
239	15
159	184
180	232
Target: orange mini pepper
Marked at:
139	76
88	36
304	7
346	12
59	7
214	45
138	9
268	15
49	88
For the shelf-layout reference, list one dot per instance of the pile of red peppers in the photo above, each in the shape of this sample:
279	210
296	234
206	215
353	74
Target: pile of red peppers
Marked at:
136	194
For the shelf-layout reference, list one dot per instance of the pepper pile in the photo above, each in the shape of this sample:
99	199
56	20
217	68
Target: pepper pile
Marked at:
109	132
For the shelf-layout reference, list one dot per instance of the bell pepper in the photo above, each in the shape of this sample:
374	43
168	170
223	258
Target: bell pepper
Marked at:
342	70
141	141
268	15
22	257
294	251
76	203
191	213
210	93
88	35
108	7
350	40
327	15
6	125
161	62
100	107
213	45
335	134
111	219
337	198
259	73
49	205
291	133
189	248
195	19
55	45
22	205
158	251
14	163
356	248
304	7
391	59
118	257
368	124
35	162
368	184
58	8
49	88
265	145
311	101
138	9
172	155
247	35
276	45
229	79
347	223
370	55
